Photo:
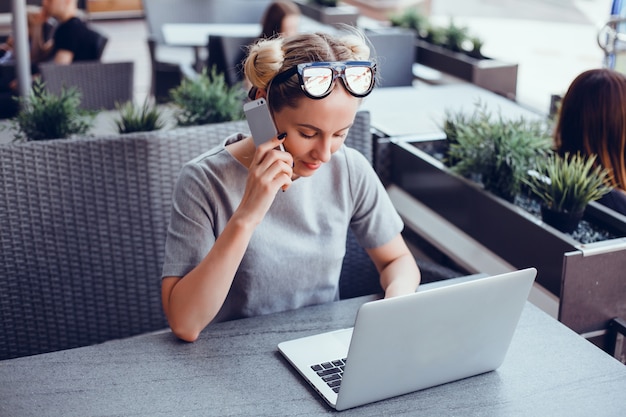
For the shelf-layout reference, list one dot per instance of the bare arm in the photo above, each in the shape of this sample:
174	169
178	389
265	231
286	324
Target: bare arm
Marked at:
192	302
63	57
399	273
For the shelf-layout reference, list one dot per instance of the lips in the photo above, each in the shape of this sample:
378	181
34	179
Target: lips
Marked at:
312	166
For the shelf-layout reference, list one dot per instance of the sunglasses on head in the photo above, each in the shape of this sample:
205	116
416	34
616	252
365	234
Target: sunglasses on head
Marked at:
318	78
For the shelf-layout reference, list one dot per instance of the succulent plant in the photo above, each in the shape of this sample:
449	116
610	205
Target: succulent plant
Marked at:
568	183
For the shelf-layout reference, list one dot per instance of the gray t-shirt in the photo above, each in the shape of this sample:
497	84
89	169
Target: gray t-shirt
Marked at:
295	255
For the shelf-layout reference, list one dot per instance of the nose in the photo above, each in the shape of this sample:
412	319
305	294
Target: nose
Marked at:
323	149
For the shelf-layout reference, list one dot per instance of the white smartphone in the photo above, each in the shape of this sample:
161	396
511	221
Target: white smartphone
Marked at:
260	121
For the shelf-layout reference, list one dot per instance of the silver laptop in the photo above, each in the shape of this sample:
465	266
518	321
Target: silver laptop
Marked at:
408	343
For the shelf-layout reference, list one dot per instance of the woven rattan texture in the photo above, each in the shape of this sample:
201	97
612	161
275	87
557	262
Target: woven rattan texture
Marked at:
102	84
82	232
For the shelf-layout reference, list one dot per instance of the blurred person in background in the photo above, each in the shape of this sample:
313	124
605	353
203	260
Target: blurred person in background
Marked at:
73	39
282	17
40	44
592	121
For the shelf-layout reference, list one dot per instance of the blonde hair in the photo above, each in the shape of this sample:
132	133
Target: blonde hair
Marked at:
270	57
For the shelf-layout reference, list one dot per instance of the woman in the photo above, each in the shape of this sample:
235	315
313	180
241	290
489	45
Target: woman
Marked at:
282	17
237	246
592	120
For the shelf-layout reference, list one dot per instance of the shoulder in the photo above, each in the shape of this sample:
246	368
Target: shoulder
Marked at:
350	158
69	28
71	24
355	163
216	161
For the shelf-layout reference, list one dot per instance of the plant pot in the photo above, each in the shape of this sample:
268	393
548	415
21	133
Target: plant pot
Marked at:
337	16
490	74
564	221
587	278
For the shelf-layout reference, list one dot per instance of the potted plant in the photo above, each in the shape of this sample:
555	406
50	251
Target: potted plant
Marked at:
207	99
452	49
492	151
565	186
583	270
134	119
434	173
44	115
329	12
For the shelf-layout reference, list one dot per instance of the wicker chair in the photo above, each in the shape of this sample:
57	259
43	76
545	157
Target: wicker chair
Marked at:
102	84
227	53
82	234
165	75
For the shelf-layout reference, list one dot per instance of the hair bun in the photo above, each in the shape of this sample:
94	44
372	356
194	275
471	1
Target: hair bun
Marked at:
265	59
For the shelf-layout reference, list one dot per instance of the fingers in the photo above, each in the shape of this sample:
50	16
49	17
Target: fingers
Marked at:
271	165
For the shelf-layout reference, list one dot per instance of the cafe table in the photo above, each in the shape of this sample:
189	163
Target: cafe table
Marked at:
417	112
196	35
234	368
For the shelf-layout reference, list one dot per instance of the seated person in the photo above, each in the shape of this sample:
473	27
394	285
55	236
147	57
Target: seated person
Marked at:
282	17
73	39
592	120
255	230
40	42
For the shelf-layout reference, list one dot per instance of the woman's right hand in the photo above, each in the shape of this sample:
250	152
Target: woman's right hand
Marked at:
270	171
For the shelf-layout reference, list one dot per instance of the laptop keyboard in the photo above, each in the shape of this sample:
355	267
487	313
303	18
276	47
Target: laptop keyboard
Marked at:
331	372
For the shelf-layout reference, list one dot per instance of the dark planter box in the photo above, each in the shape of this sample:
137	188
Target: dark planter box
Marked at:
342	14
588	279
490	74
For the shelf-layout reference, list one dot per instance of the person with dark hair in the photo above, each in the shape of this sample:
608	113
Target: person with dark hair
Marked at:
40	44
73	39
592	121
237	245
282	17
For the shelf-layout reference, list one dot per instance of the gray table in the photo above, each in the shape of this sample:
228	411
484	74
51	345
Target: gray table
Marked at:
235	369
417	112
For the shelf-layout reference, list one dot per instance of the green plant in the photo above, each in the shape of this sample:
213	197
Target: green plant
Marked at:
207	99
138	119
435	35
568	183
494	151
44	115
452	37
411	18
476	47
455	36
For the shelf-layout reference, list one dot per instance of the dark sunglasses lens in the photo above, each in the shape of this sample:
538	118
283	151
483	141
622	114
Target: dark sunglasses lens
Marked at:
317	81
359	79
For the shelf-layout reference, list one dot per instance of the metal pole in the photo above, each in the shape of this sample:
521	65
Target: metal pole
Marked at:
22	47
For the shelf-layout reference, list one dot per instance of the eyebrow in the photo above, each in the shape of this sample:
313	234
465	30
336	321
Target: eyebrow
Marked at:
308	126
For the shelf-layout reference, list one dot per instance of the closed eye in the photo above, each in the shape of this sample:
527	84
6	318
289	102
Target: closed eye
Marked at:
305	136
341	135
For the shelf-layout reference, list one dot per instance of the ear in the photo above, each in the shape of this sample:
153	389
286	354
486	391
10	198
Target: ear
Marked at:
260	93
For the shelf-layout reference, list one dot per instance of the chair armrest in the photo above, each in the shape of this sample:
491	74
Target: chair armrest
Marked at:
617	330
188	71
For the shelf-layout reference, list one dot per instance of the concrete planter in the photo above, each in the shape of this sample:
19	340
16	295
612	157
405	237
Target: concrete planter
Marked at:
587	278
342	14
490	74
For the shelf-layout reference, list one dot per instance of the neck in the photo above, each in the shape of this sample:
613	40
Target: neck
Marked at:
67	14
